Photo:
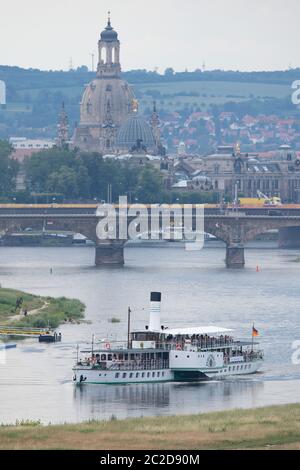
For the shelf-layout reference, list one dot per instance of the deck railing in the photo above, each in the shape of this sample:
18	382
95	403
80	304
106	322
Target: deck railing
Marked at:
128	365
198	344
247	357
139	365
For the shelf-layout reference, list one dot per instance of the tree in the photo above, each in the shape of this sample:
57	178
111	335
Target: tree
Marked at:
8	169
150	185
83	181
169	72
63	181
40	165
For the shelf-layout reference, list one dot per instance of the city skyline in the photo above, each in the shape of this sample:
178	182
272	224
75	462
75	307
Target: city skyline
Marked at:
153	35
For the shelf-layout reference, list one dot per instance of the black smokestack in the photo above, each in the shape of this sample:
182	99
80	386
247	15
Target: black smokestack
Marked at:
155	297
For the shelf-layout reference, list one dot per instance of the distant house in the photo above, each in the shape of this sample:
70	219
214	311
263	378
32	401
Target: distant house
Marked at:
27	147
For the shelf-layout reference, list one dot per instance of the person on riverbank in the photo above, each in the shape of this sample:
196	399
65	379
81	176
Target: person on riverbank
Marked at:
19	302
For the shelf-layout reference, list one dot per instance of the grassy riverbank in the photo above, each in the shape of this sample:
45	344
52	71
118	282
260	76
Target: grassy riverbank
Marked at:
276	427
42	311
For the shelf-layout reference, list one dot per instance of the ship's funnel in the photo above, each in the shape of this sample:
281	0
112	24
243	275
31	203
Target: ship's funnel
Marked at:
154	321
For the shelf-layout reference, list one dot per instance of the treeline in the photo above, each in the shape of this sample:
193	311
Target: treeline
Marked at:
86	176
82	176
67	175
22	79
255	106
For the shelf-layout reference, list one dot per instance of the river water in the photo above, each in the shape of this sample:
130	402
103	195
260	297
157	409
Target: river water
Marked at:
36	379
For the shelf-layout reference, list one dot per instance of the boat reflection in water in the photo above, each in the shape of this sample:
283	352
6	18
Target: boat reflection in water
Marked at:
151	399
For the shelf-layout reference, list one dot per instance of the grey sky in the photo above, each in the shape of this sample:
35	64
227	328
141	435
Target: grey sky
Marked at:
229	34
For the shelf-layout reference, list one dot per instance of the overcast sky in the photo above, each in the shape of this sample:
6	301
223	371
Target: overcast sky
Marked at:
227	34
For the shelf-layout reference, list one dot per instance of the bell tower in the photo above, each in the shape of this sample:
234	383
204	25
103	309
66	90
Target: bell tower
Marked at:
109	53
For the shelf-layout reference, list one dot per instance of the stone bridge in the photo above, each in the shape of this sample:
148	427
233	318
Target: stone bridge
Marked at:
235	229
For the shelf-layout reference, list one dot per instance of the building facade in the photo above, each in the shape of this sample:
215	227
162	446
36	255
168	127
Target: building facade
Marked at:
229	169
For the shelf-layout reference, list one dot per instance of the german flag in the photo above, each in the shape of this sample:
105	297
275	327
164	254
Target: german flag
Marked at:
254	332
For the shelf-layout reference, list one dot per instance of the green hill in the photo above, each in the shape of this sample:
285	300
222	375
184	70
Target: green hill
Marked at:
34	97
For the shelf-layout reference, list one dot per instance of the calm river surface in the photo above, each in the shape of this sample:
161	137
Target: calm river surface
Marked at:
36	379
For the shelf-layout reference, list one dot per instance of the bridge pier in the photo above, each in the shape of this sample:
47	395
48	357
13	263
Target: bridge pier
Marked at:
235	257
109	253
289	237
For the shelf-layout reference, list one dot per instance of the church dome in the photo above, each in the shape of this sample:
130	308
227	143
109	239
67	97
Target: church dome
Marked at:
109	34
106	96
134	129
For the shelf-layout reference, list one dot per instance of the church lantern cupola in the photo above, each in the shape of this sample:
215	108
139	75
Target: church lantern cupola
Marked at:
109	52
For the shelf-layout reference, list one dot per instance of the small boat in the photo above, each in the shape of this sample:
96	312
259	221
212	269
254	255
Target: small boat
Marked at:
50	337
160	354
45	335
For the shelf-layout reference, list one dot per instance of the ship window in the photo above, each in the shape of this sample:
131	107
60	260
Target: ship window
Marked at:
148	374
188	357
233	368
229	369
242	367
163	374
158	374
176	355
103	357
153	374
225	370
99	375
137	375
117	375
124	375
130	375
143	374
109	357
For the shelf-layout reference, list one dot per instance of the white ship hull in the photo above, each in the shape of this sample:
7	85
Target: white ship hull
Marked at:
88	375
